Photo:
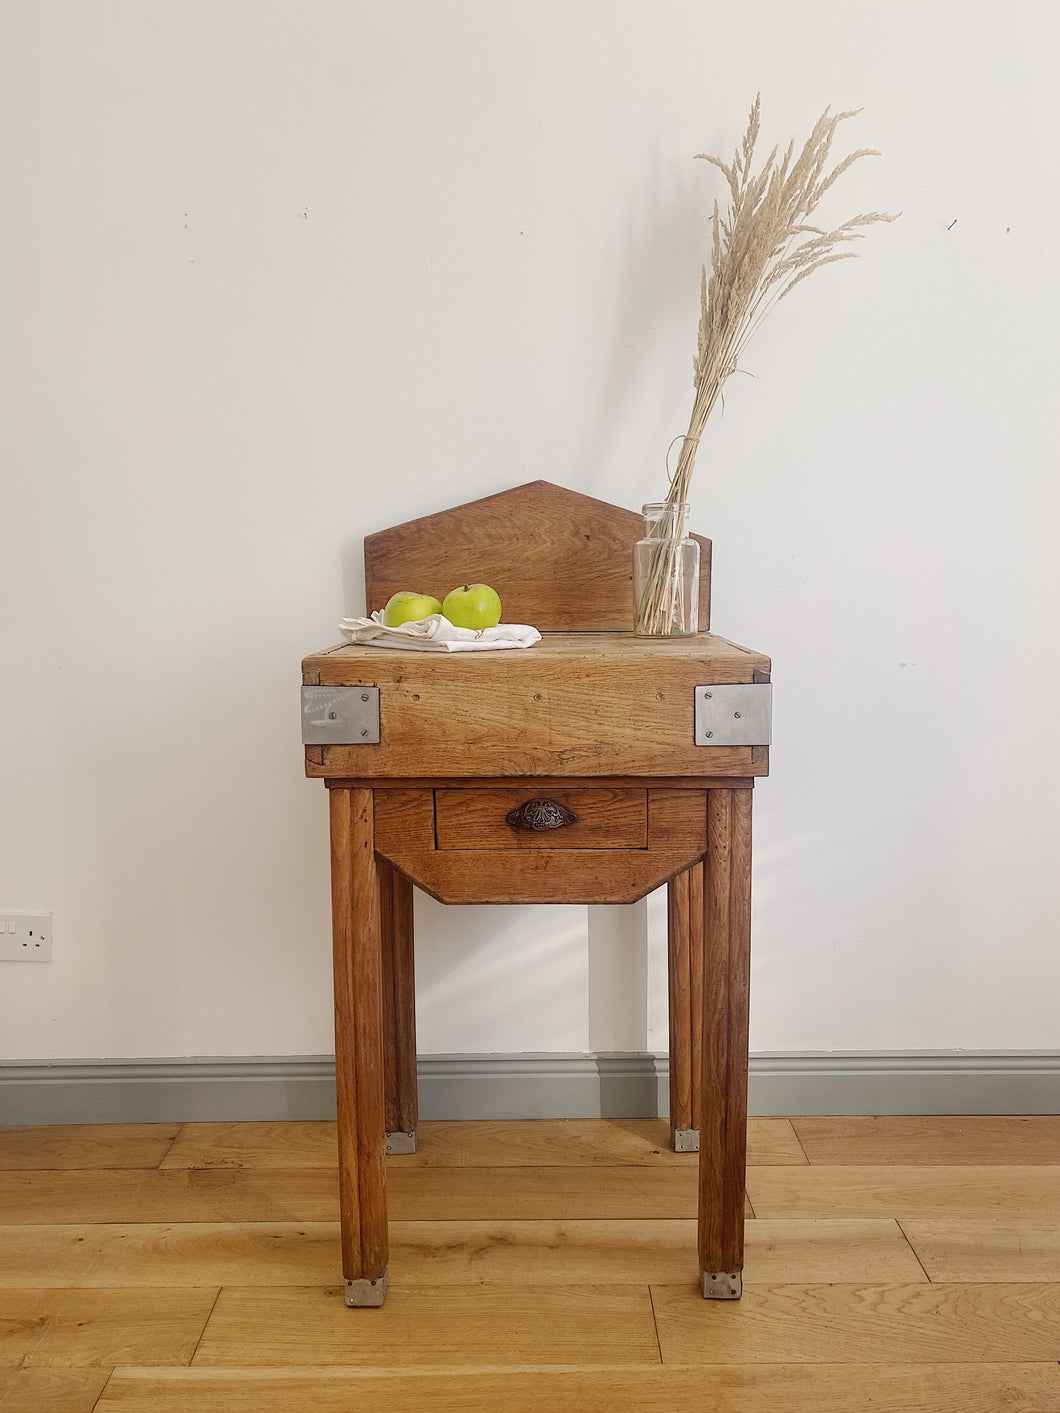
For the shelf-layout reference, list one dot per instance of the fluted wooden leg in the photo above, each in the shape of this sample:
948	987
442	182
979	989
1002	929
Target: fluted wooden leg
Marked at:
399	1009
726	984
359	1047
685	965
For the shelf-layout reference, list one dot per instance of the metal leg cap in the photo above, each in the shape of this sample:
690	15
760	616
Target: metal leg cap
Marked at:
364	1294
685	1140
721	1285
398	1142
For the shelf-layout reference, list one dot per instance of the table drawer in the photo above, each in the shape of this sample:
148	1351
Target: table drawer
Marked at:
478	819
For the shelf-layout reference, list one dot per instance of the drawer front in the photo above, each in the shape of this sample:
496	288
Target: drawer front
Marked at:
478	819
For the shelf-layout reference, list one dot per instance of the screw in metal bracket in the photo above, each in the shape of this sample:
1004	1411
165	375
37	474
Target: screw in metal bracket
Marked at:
365	731
737	715
364	696
710	733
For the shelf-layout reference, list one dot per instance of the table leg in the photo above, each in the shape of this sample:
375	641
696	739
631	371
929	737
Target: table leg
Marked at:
359	1047
399	1009
685	967
726	984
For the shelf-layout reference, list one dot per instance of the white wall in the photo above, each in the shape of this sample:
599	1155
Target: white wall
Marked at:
279	273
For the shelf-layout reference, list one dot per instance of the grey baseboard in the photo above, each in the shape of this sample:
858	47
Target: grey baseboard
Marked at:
220	1089
528	1086
906	1082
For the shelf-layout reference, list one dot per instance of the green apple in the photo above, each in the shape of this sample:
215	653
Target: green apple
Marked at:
473	606
408	607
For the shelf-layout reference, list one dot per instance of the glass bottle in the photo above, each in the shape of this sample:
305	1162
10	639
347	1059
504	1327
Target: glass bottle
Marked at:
666	574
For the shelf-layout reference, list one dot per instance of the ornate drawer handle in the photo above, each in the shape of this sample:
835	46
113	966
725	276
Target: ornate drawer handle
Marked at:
541	814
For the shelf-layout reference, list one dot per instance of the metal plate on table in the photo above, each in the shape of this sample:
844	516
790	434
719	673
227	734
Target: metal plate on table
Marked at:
340	716
734	714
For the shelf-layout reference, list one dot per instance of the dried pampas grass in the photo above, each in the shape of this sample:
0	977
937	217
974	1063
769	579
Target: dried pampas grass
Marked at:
762	246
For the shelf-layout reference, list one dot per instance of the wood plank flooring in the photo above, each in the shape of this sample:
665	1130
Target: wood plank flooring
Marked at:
907	1265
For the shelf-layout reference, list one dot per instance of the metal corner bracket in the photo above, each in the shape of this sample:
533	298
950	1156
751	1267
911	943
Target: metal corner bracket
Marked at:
340	716
734	714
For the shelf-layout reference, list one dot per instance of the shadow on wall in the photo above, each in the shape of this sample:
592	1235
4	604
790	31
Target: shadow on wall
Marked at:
655	302
501	979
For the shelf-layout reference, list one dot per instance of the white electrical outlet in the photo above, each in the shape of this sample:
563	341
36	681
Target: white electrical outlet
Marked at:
25	936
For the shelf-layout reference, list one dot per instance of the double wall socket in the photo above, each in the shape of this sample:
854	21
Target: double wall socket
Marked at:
25	936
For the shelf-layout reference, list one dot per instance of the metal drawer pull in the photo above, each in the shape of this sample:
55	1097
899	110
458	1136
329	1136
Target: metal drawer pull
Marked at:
541	814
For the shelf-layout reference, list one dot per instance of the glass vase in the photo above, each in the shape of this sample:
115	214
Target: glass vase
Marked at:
666	574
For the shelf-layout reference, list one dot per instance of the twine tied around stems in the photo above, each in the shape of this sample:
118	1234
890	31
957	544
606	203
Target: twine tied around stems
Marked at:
681	437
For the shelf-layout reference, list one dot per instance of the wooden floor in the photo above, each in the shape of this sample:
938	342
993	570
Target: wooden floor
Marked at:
903	1265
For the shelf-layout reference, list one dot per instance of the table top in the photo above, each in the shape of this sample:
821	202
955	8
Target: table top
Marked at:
346	663
588	705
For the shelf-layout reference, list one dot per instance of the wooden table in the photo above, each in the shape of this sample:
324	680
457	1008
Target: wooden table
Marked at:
428	759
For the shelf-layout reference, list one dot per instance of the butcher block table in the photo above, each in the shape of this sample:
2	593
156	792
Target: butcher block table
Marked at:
590	768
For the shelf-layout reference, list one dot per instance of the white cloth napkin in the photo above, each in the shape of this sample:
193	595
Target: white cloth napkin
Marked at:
437	635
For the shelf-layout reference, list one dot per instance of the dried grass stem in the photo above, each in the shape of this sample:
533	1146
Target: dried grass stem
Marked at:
762	246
